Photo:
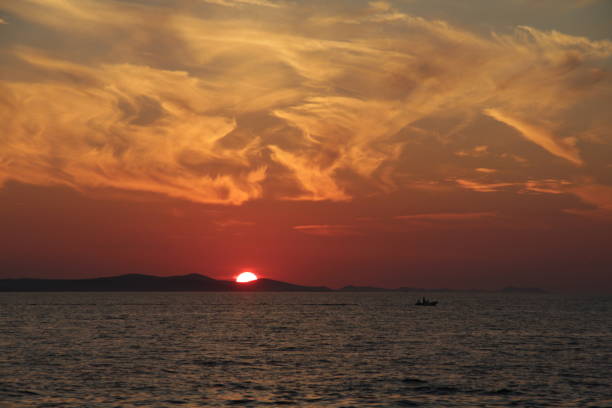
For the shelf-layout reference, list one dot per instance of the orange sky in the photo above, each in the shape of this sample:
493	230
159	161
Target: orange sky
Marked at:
395	143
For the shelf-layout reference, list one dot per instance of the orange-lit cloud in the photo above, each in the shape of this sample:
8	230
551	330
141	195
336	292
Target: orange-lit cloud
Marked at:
447	216
212	105
114	131
327	230
562	148
237	3
596	195
551	186
483	187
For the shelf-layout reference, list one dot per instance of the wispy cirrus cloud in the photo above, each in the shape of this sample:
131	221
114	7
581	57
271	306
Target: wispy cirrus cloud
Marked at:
484	187
225	107
447	217
550	186
542	186
327	230
565	149
230	223
597	195
237	3
112	131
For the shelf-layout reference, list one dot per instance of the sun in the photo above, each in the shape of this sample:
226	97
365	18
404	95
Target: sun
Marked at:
246	277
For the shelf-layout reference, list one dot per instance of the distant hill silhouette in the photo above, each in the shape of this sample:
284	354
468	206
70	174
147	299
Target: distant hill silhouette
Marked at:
148	283
269	285
194	283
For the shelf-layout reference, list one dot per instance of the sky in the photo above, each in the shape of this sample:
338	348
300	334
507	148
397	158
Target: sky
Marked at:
423	143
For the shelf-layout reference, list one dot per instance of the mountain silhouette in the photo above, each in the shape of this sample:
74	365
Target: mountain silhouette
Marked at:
199	283
149	283
269	285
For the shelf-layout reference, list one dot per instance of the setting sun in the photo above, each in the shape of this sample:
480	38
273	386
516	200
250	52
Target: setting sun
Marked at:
246	277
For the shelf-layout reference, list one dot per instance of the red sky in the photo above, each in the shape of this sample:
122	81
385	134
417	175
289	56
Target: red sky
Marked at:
389	143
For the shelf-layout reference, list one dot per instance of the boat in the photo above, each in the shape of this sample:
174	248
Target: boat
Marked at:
426	302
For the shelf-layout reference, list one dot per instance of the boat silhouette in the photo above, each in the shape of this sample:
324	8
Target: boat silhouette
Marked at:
426	302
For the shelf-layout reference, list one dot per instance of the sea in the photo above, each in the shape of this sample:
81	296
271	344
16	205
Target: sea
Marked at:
305	349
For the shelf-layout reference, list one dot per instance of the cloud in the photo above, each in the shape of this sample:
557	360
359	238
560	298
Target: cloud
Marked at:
380	6
233	223
237	3
296	102
554	42
477	151
543	186
483	187
446	217
486	170
114	131
550	186
540	136
318	183
326	230
597	195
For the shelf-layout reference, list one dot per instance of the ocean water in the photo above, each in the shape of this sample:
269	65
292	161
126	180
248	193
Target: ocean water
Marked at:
304	349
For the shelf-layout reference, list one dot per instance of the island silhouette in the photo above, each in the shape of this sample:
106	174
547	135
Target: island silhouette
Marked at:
192	283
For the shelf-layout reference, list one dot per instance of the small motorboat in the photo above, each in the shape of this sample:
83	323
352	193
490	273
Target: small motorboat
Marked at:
426	302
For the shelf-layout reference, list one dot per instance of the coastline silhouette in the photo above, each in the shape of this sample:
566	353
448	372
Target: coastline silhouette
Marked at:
197	283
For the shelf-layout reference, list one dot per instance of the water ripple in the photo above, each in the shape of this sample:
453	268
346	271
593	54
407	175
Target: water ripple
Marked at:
326	349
